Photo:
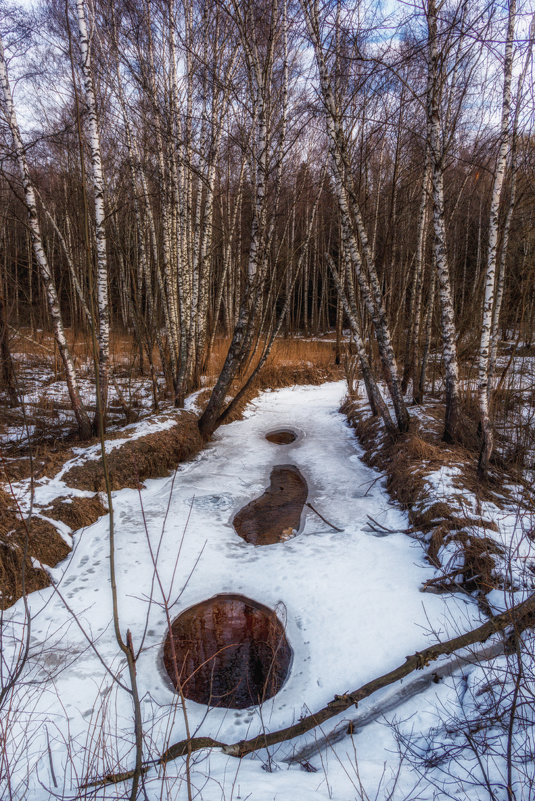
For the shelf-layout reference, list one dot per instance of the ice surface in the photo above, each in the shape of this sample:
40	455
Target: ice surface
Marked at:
351	604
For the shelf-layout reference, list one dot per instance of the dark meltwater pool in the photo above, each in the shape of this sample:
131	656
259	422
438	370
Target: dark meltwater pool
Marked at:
283	436
227	651
275	515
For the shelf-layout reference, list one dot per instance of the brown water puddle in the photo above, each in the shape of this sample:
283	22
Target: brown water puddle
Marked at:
281	437
228	651
275	515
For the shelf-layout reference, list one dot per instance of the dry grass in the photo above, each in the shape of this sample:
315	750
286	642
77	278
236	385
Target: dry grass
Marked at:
290	362
287	356
407	461
76	512
293	361
47	460
151	456
477	574
39	539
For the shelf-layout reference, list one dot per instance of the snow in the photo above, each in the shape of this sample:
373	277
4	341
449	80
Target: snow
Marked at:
45	490
45	397
350	602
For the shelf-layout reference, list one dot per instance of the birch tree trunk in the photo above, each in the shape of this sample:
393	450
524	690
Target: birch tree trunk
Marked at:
361	256
418	279
427	327
375	398
259	59
437	154
100	230
84	425
483	388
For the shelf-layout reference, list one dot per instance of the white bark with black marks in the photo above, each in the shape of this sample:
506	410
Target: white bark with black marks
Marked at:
361	256
489	301
54	309
440	252
92	129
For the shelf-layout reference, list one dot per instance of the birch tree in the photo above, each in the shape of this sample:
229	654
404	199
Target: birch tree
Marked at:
19	153
440	251
505	240
354	234
91	121
489	300
448	55
262	38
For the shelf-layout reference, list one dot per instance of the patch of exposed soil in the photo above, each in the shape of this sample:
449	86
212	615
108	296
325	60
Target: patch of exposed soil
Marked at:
227	651
76	512
275	515
151	456
282	436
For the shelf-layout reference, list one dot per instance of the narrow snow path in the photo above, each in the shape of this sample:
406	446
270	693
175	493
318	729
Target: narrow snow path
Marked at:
350	601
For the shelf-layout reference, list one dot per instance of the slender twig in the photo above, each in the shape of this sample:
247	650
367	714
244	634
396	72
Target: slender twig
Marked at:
516	615
322	518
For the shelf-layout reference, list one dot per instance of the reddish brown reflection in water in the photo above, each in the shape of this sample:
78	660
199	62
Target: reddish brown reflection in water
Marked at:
274	515
228	651
282	437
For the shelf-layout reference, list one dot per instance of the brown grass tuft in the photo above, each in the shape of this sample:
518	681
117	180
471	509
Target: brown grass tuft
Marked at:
423	450
76	512
40	540
407	460
151	456
438	539
304	356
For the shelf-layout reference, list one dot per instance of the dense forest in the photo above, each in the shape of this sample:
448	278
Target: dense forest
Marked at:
204	199
252	169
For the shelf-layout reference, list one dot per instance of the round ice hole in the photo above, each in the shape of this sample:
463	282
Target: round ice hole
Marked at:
227	651
283	436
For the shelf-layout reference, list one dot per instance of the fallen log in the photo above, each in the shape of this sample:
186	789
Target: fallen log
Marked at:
395	698
518	617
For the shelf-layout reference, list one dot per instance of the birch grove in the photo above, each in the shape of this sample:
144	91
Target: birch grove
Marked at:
183	201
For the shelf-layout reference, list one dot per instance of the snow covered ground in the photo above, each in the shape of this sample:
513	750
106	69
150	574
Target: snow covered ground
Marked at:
350	602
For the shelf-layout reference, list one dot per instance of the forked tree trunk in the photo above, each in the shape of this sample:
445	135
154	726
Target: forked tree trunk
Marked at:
248	313
290	286
375	399
260	69
355	242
